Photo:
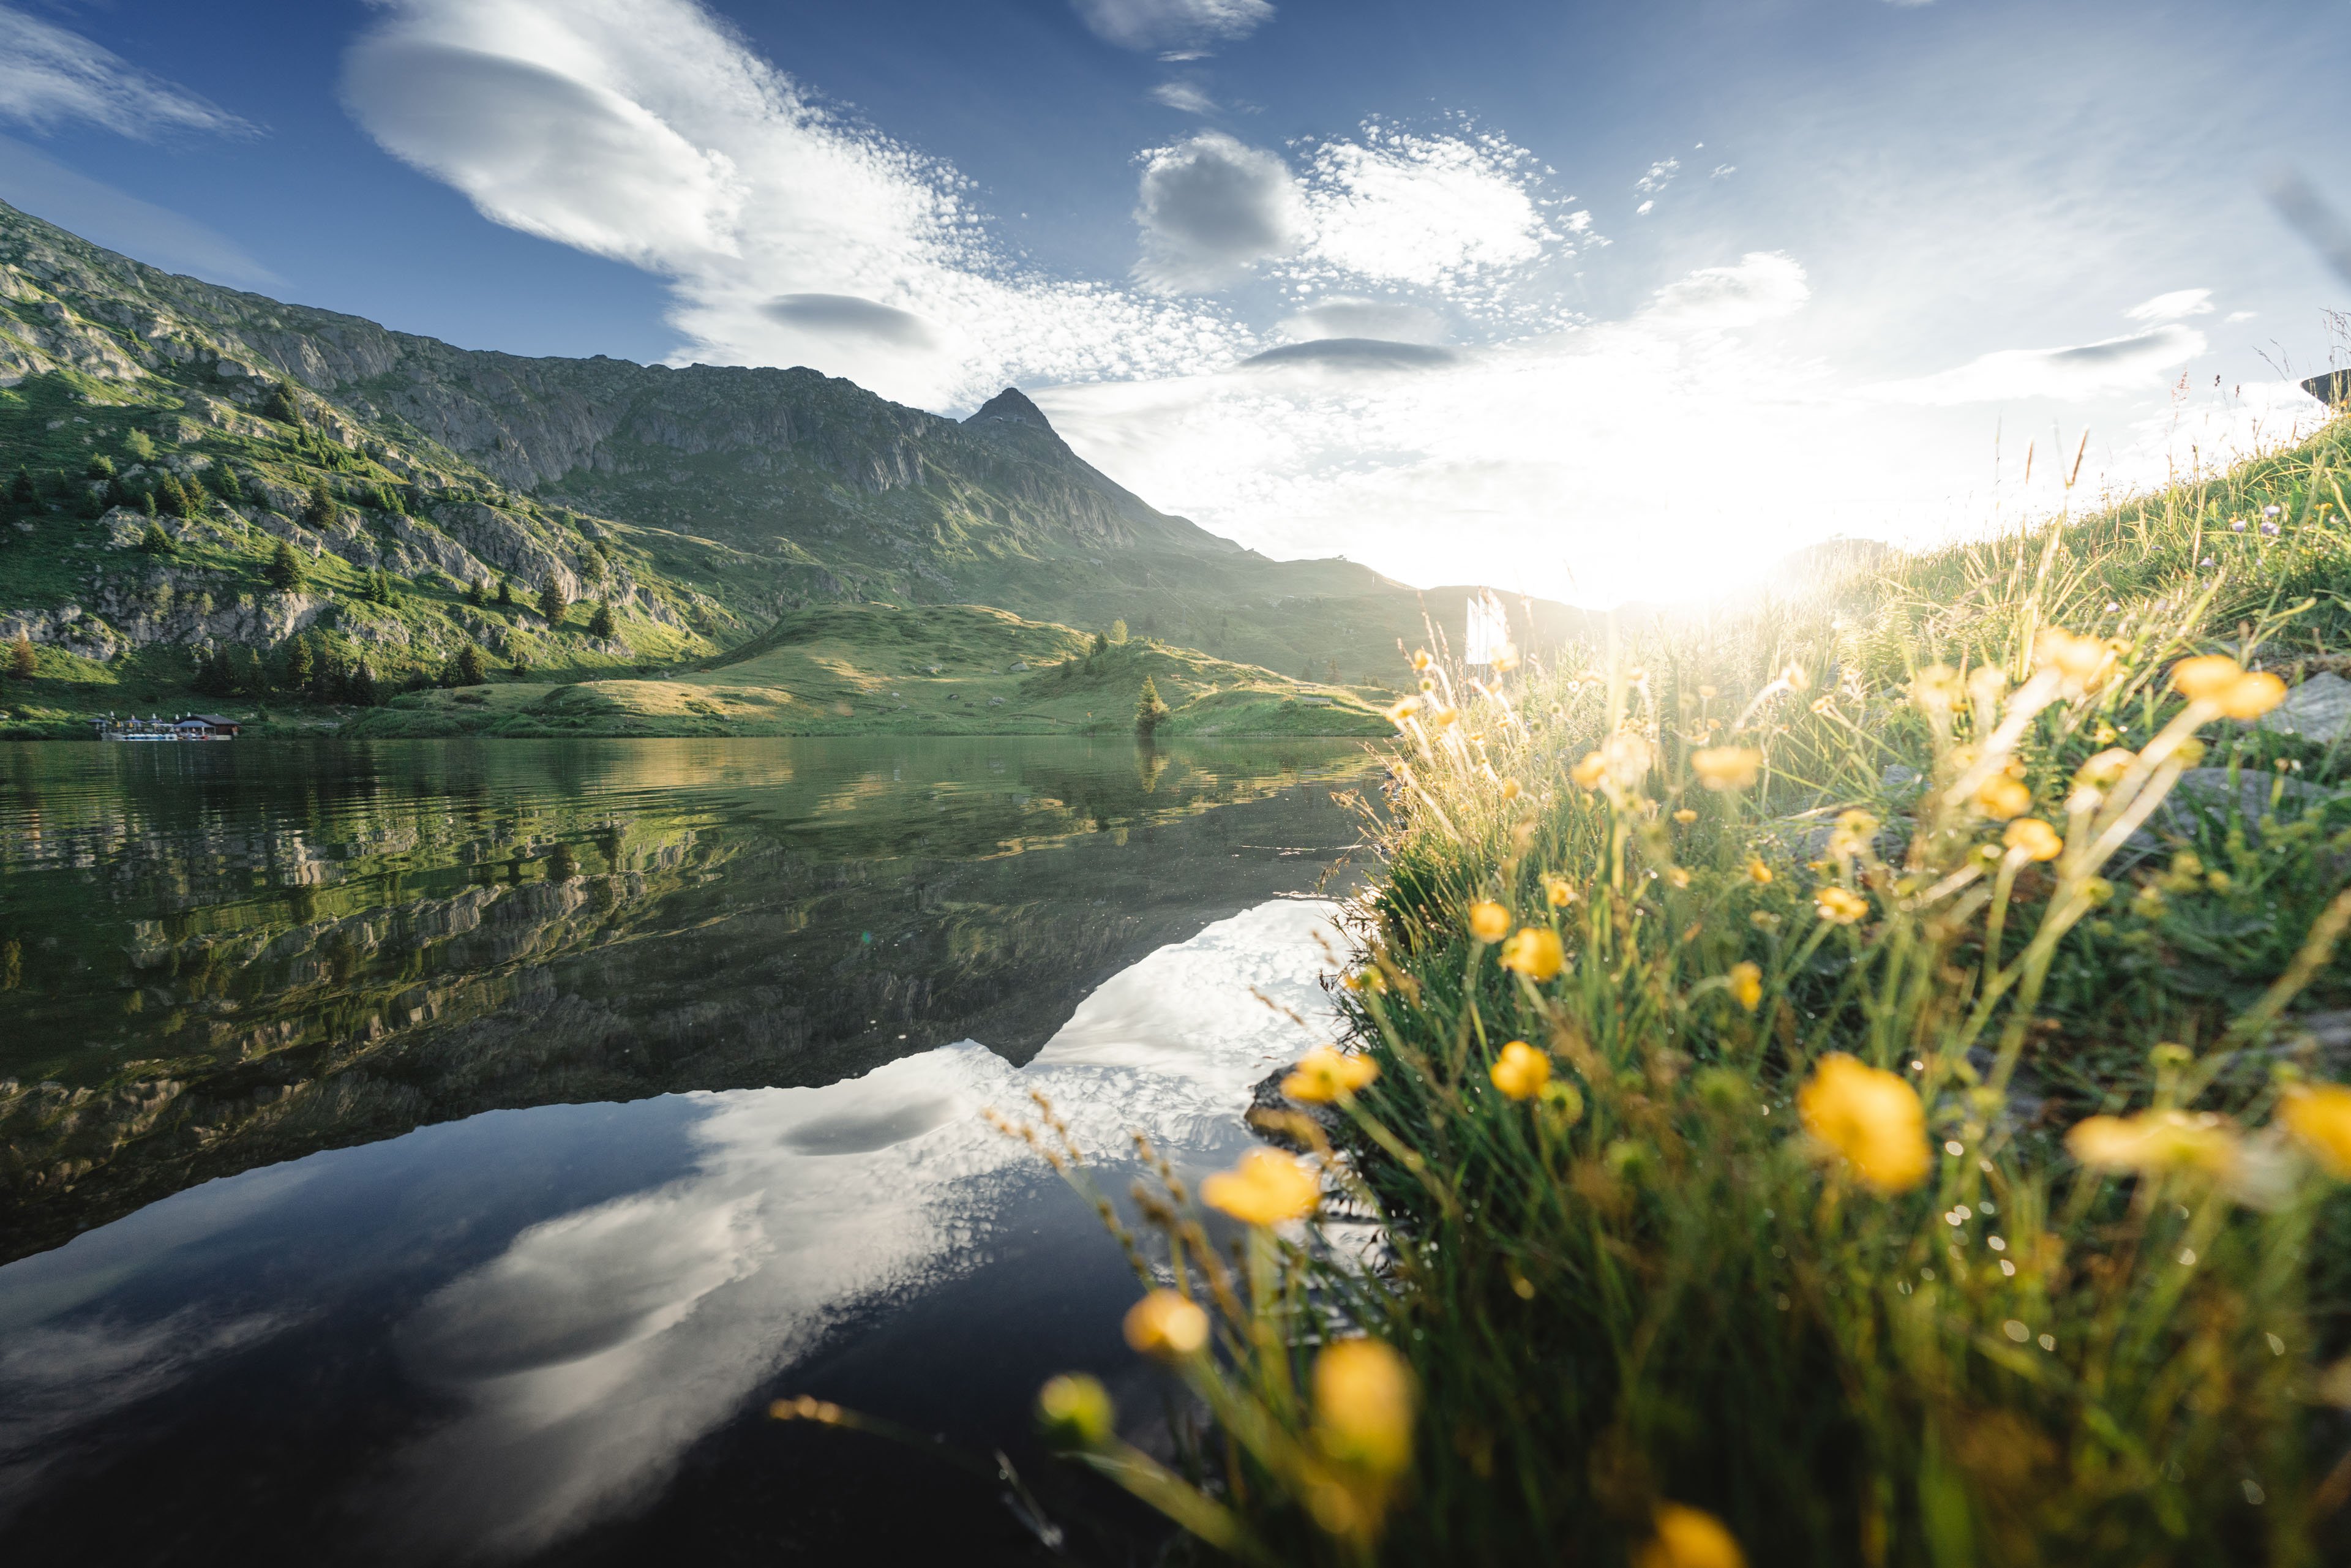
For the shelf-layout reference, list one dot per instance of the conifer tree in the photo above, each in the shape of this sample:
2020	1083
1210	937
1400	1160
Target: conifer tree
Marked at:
505	592
147	502
600	625
468	669
284	572
301	664
1150	712
476	594
1118	632
155	541
22	662
100	466
225	482
320	510
552	602
358	685
172	497
280	404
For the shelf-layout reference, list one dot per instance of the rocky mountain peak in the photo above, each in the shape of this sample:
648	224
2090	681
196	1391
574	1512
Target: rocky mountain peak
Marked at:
1012	405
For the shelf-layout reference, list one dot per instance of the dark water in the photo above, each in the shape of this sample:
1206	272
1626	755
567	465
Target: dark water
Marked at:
423	1152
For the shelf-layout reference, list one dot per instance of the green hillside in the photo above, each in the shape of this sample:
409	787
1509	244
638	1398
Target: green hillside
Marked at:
877	669
403	479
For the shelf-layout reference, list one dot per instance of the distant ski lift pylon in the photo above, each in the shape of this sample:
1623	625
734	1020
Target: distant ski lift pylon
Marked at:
1487	639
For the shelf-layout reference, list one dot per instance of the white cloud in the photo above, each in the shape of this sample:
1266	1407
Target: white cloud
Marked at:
1210	207
49	77
1178	26
1187	96
2178	305
2233	317
1763	286
1644	210
2112	364
1412	208
644	130
1352	316
1661	175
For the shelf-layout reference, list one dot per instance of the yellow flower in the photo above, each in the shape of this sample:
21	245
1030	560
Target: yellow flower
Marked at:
2320	1120
1324	1073
1872	1118
1163	1325
2000	797
2036	838
1587	773
1727	766
2154	1141
1489	921
1758	873
1685	816
1559	891
1420	658
1747	985
1075	1411
1363	1401
2220	680
1935	689
1509	789
1855	834
1265	1189
1689	1538
1535	953
1403	710
1521	1070
2105	767
2083	662
1840	906
1444	717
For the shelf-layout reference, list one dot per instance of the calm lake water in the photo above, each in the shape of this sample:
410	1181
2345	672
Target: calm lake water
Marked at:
433	1151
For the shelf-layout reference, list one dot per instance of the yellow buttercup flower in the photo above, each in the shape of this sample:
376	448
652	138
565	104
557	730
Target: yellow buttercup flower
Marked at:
1689	1538
1747	985
2036	838
1686	816
2320	1120
1166	1325
1758	873
1535	953
1489	921
1521	1070
1265	1189
2082	662
2000	797
2220	680
2154	1141
1075	1411
1509	789
1325	1072
1420	658
1840	906
1558	892
1872	1118
1587	774
1363	1401
2106	767
1727	766
1403	709
1855	834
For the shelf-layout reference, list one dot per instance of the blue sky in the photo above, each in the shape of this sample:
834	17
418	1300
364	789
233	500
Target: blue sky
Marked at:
1593	300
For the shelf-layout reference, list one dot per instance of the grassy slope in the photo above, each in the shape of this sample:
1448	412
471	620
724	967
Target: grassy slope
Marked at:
1657	1292
867	669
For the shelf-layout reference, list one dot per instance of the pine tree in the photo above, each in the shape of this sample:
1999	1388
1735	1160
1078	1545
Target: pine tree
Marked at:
284	572
155	541
147	502
599	625
476	594
280	404
1102	641
172	497
1149	713
301	664
320	510
469	670
552	602
100	466
505	592
379	588
225	480
358	685
21	660
1118	632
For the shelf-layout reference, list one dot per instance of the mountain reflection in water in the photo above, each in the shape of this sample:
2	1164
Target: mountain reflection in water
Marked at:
549	1332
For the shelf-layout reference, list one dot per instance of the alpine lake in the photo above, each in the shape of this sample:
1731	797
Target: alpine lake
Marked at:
429	1152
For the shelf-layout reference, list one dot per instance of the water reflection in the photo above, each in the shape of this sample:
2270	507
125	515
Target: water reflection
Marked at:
229	956
665	1074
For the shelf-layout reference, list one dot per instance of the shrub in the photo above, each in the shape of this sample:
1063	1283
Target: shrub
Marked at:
22	661
140	445
100	466
279	405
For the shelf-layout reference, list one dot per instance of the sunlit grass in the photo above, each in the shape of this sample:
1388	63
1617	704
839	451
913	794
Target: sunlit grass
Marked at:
1828	1091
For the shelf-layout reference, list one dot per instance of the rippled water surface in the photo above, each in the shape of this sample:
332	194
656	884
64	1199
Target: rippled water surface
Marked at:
425	1152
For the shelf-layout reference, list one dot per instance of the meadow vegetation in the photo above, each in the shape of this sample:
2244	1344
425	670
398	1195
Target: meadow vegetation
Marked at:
1851	1081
